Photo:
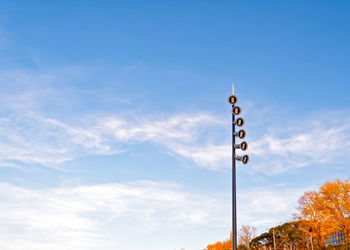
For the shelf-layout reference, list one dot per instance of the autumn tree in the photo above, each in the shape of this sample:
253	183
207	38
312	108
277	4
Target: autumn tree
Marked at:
322	213
225	245
327	210
245	235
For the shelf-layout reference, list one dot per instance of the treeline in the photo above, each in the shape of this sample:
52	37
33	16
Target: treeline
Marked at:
322	222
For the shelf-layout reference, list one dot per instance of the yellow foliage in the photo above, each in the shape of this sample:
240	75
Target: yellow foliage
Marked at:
322	213
327	210
225	245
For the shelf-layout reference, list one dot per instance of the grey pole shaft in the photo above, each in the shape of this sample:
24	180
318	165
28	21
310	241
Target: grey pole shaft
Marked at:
234	214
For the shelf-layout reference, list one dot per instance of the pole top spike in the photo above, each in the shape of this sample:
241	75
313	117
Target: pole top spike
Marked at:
233	89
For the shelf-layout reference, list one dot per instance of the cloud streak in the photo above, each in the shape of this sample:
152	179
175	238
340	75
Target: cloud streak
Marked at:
31	136
312	141
107	216
34	139
283	147
77	217
266	207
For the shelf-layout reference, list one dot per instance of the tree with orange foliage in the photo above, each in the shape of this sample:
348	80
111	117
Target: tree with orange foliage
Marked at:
225	245
327	210
246	234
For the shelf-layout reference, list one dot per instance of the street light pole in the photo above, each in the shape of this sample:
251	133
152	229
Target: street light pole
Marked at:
244	159
234	200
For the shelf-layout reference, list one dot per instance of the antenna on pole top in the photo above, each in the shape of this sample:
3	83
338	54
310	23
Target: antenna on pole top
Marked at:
233	89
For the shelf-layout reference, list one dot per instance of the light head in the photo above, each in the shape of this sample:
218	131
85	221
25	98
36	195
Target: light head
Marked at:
244	159
236	110
239	122
240	134
232	99
243	146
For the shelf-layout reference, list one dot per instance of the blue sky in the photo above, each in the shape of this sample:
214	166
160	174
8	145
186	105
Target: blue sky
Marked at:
115	126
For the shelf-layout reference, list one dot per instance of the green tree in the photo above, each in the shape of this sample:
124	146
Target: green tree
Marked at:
264	239
289	235
242	247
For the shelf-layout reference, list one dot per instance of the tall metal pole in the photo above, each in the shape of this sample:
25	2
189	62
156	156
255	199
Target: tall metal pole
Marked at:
236	110
234	213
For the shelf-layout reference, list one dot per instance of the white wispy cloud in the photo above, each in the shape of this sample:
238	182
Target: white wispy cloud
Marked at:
311	141
31	136
95	216
267	207
70	218
214	157
23	90
180	127
282	147
31	139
